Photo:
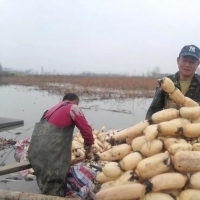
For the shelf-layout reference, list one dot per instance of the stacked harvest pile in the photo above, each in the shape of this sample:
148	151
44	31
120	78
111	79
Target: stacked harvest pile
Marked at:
100	143
160	159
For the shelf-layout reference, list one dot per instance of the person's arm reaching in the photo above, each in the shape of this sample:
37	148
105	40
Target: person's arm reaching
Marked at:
82	124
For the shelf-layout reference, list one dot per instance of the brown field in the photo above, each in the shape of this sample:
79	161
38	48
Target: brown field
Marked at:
89	86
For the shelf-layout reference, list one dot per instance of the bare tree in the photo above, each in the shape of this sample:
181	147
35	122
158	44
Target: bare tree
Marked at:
1	68
155	71
1	72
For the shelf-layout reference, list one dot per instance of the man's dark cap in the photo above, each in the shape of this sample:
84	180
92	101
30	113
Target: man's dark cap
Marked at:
190	50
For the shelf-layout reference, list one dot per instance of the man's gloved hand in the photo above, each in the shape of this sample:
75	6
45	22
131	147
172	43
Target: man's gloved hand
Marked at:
88	150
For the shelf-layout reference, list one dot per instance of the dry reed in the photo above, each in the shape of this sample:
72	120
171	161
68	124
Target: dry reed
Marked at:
102	87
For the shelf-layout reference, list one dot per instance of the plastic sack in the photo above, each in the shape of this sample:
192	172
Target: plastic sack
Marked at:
21	149
21	154
80	181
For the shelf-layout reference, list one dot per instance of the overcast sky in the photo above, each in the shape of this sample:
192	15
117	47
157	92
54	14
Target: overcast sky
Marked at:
101	36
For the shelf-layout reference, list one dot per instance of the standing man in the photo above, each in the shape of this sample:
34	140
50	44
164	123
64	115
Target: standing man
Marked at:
50	148
185	80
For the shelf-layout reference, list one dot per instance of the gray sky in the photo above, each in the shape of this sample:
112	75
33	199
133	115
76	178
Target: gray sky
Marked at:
102	36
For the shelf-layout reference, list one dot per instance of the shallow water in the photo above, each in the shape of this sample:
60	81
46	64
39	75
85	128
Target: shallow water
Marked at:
28	104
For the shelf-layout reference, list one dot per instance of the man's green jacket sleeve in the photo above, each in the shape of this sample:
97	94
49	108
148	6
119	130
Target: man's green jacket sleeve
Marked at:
157	103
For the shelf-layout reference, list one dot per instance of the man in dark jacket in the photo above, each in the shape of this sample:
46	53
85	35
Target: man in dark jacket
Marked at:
50	148
185	80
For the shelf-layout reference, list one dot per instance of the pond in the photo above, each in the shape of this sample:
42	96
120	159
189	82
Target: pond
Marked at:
28	104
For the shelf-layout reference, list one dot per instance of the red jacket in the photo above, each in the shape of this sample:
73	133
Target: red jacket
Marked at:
70	114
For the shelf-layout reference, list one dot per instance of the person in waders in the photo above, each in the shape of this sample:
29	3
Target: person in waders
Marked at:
50	147
185	80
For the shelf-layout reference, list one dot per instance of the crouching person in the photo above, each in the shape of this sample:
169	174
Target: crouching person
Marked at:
50	147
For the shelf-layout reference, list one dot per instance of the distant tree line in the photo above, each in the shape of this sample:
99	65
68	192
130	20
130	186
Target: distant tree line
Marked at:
1	68
4	73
